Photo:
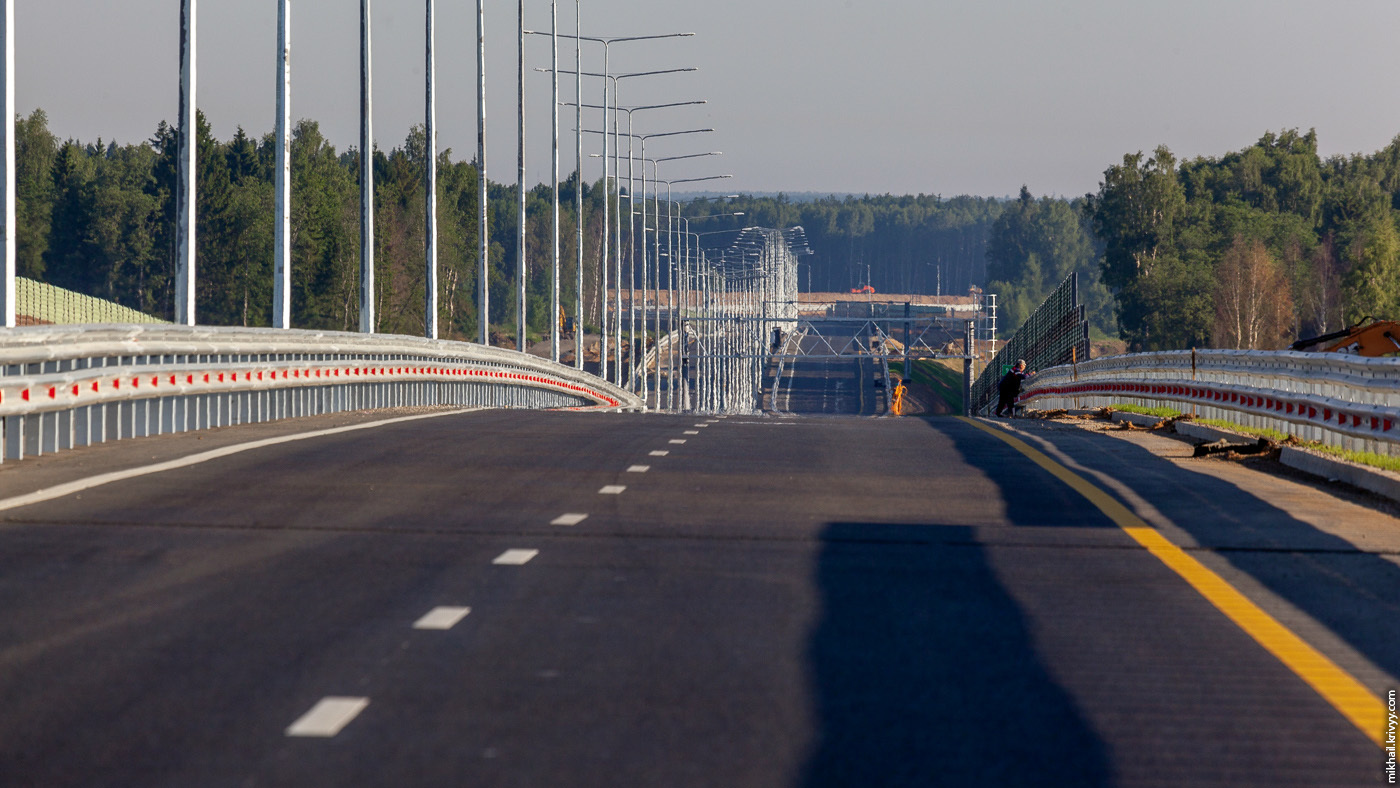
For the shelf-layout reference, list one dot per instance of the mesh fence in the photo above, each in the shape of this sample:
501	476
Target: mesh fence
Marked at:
1055	333
37	303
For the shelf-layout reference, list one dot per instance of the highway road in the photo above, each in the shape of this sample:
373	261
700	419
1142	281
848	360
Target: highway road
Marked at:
507	598
813	385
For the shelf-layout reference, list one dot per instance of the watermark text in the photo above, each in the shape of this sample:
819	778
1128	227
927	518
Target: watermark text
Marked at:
1390	725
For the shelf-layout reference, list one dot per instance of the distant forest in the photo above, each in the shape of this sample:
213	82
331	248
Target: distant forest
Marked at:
99	218
1250	249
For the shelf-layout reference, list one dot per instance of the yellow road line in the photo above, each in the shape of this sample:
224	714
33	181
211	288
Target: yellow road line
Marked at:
1335	685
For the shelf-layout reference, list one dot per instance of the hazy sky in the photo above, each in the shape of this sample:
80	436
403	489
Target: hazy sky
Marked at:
821	95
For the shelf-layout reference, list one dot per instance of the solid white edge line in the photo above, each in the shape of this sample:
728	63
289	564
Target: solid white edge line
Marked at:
442	618
571	518
328	717
69	488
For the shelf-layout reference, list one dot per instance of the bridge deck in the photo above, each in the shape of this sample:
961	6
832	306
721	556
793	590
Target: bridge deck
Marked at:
772	601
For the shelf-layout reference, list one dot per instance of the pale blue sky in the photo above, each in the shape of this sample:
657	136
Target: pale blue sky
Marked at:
820	95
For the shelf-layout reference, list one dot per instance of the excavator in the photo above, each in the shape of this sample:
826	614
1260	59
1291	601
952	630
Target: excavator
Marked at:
1370	337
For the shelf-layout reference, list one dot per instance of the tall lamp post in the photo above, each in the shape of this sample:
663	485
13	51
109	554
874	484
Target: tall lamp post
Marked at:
7	161
643	155
670	279
631	198
676	357
615	78
282	238
607	42
186	198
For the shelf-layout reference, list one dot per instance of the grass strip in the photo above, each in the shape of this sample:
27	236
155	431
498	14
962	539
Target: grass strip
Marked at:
1383	461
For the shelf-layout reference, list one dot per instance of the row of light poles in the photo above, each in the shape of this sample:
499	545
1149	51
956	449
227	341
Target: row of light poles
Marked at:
282	262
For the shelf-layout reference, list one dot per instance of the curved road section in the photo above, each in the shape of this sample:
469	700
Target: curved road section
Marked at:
585	599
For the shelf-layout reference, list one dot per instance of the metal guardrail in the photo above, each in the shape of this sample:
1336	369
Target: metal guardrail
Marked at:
64	387
1339	400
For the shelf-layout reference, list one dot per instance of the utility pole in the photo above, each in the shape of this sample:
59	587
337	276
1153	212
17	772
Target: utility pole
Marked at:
367	321
186	200
282	241
7	160
430	240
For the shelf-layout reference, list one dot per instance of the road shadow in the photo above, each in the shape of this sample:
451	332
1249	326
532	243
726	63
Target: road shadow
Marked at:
924	673
1344	588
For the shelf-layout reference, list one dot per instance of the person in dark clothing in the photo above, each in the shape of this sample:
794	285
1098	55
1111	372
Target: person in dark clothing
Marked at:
1010	388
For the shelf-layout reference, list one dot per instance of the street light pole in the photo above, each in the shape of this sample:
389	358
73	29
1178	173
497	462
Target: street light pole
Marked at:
631	205
189	144
630	197
674	356
670	281
644	138
367	321
430	241
554	114
578	186
8	314
282	238
607	43
483	295
520	273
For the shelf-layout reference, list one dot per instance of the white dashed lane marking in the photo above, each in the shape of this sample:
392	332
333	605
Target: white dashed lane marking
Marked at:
638	468
702	426
328	717
660	453
442	618
677	441
515	557
691	432
568	519
612	489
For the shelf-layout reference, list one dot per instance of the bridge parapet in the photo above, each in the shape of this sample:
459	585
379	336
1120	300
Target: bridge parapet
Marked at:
1339	400
64	387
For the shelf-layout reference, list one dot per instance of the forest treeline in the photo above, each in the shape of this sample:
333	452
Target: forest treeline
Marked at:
99	218
1250	249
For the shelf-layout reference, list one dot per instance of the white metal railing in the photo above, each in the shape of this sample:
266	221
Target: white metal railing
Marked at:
1341	400
63	387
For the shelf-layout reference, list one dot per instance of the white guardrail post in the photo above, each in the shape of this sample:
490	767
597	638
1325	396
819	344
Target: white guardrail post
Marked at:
1340	400
70	386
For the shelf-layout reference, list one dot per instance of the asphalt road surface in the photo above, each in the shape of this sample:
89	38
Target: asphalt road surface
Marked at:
827	386
737	602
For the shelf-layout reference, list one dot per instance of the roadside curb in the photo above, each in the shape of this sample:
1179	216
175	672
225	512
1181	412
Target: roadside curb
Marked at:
1382	483
1331	469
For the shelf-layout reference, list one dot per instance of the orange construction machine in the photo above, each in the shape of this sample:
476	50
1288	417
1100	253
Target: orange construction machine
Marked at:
1370	337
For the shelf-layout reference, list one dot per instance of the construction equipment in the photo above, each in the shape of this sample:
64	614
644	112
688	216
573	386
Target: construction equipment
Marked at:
1370	337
